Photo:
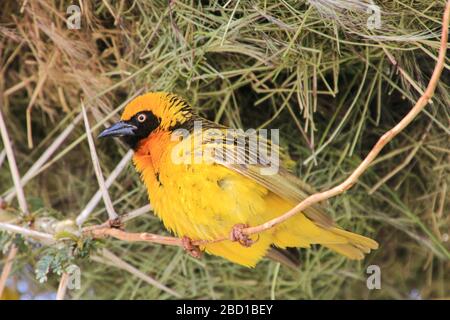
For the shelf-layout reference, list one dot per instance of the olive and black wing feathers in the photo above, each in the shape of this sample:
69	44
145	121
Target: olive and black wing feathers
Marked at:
251	155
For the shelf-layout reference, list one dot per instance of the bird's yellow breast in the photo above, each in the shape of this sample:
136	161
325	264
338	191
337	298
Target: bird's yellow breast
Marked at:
198	200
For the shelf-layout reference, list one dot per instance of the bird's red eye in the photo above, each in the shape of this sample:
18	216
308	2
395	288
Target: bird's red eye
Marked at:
142	117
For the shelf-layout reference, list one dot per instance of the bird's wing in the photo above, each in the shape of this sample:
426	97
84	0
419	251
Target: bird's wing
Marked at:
234	150
287	186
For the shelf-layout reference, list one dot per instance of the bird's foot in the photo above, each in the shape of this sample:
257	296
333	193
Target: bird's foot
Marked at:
237	234
115	223
190	248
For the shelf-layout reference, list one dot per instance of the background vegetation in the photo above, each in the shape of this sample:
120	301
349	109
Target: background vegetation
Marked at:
314	69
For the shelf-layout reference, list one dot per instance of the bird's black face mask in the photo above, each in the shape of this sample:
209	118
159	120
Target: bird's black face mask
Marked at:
132	131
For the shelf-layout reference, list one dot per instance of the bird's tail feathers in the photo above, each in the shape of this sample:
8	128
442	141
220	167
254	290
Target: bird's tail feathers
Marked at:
356	245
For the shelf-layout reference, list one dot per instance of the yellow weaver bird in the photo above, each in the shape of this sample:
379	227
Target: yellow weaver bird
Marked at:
204	200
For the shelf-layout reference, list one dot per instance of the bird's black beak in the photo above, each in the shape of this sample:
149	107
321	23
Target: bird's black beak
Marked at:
118	129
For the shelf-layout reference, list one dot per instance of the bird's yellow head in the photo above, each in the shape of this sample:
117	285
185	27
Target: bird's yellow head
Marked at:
154	111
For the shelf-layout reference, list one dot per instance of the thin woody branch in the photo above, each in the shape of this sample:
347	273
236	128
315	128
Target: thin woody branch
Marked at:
20	194
133	237
62	288
42	237
8	267
98	170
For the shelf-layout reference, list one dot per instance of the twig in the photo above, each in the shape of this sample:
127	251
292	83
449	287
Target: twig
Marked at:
7	268
403	73
98	195
101	231
136	213
43	237
62	288
386	138
117	19
229	23
107	5
123	218
2	157
132	237
13	165
35	94
402	165
98	171
20	194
